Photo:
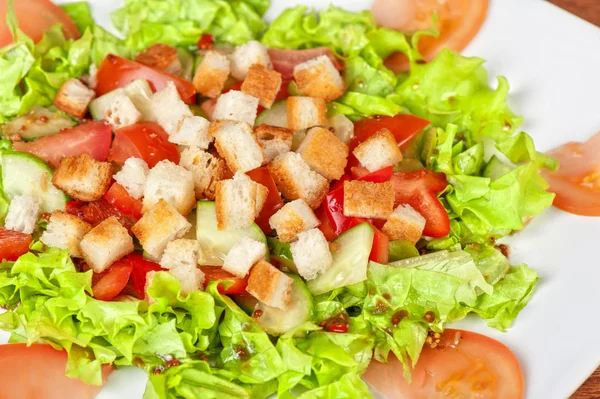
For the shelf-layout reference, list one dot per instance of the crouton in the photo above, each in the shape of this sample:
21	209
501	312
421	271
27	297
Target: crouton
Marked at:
122	112
65	231
269	285
82	177
212	74
319	78
133	176
161	56
105	244
243	255
365	199
246	55
378	151
206	169
193	131
311	254
238	201
172	183
180	252
294	218
274	140
160	225
295	179
324	153
236	106
236	142
169	109
190	277
404	224
263	84
23	213
342	127
74	98
305	112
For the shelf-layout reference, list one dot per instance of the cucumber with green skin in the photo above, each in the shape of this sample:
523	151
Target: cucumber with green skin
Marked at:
496	169
39	122
138	91
275	116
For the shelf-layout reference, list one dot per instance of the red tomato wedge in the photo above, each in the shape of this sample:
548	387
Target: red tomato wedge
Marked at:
13	244
379	176
324	225
92	138
273	202
38	372
404	127
463	365
381	243
147	141
212	273
141	267
115	72
206	42
118	197
35	18
284	61
577	181
113	280
98	211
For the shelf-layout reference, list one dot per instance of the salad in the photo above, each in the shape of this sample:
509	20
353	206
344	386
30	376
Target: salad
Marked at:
244	209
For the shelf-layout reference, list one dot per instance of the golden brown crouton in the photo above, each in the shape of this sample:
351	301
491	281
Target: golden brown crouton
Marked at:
319	78
105	244
269	285
82	177
305	112
275	140
207	170
236	142
368	200
324	153
161	56
378	151
238	201
404	224
262	83
212	74
74	98
65	231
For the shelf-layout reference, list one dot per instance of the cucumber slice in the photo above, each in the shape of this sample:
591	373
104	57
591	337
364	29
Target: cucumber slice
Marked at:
38	122
351	252
300	310
282	254
187	61
276	116
138	91
24	173
215	243
495	169
246	302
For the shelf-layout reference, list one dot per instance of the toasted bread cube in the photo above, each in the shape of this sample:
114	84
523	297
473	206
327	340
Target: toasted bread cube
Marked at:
172	183
404	224
193	131
311	254
305	112
133	176
342	127
324	153
239	201
365	199
236	142
243	255
206	169
246	55
269	285
274	140
180	253
236	106
319	78
378	151
105	244
212	74
169	109
159	226
161	56
23	213
122	112
263	84
82	177
295	179
65	231
294	218
74	98
190	277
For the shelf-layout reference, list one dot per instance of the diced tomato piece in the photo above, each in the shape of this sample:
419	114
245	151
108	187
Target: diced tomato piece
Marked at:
140	269
324	225
113	280
206	42
284	61
115	72
419	189
118	197
404	127
379	176
212	273
98	211
147	141
273	202
13	244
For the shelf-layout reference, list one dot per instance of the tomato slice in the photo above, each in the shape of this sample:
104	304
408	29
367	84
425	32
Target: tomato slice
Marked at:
464	364
273	202
13	244
577	181
118	197
113	280
212	273
379	176
206	42
98	211
284	61
141	267
115	72
92	138
147	141
404	127
325	227
38	371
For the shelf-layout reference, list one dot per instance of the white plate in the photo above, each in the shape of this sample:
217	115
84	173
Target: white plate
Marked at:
552	61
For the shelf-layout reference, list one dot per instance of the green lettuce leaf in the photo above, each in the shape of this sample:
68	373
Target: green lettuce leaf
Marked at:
81	14
490	262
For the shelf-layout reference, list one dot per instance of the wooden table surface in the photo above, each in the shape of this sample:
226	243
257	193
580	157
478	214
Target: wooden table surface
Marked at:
590	11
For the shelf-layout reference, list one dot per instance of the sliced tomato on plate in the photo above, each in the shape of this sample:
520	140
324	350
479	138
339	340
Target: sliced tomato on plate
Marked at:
577	181
212	273
118	197
284	61
464	364
113	280
273	202
92	138
13	244
98	211
147	141
38	372
141	267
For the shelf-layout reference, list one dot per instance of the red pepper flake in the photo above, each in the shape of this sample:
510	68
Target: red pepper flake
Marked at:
158	370
43	119
257	313
206	42
338	328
